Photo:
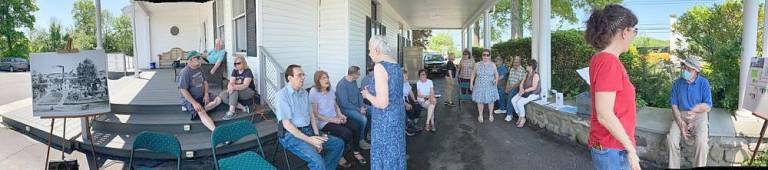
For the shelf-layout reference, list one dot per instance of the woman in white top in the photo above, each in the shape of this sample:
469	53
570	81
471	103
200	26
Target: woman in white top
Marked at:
426	97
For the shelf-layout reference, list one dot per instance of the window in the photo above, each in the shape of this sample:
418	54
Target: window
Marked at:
218	19
238	21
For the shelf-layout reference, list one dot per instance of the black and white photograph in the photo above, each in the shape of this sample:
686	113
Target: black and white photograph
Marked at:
69	84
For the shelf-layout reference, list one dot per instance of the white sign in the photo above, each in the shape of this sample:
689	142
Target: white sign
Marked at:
69	84
756	96
584	74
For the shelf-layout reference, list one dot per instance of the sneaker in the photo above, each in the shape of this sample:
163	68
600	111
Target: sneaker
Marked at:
247	110
364	145
508	118
499	111
183	109
452	104
409	132
229	116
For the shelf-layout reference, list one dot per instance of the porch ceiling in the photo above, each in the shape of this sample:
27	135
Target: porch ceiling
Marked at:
440	14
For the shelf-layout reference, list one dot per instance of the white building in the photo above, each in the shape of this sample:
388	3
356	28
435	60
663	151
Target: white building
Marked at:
328	35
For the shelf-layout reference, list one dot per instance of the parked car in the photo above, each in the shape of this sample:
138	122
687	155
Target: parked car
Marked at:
435	63
14	64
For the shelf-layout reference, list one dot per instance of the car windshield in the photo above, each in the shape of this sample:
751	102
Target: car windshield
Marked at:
435	57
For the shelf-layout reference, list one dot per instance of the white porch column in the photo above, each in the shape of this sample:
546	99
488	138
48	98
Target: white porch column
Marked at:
749	45
486	30
765	29
99	33
463	39
542	49
469	38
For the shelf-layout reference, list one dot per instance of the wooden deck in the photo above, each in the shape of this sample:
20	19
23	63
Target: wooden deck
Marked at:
152	87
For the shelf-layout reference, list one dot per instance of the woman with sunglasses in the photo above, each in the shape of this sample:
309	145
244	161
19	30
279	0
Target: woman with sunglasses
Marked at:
240	87
483	85
611	31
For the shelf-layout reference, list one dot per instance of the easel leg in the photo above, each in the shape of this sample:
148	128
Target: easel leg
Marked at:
50	137
90	138
63	138
759	140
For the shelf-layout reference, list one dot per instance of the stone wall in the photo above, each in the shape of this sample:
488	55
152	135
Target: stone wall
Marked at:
651	141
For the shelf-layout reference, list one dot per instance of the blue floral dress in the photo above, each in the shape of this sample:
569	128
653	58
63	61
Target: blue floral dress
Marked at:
388	125
485	91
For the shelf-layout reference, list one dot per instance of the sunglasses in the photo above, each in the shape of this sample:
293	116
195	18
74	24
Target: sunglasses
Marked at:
238	63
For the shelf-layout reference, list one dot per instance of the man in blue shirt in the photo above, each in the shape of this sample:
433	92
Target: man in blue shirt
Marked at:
217	55
351	103
303	138
501	68
691	100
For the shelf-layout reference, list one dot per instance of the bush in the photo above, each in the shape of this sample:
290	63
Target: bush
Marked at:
652	79
569	53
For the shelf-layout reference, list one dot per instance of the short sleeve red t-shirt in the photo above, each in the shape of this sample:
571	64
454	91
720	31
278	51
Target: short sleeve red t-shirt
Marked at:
607	74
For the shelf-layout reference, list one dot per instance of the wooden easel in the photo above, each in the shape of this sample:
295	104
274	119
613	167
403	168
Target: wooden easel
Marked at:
762	134
68	49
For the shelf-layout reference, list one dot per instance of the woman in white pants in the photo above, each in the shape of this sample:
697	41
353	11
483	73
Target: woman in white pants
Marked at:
529	91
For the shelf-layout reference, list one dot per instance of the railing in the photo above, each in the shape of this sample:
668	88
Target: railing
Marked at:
270	77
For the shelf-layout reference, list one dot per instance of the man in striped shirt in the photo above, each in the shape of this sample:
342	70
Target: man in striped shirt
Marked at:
516	75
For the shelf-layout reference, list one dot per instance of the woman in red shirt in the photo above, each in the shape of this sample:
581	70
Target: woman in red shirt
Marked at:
612	133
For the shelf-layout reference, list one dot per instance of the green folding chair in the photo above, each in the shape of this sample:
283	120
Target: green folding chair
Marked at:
464	96
246	160
156	142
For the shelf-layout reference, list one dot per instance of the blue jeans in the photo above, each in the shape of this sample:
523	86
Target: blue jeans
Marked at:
501	104
360	120
609	159
332	150
510	107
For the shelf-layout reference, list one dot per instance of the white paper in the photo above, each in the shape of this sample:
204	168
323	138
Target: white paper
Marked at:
584	74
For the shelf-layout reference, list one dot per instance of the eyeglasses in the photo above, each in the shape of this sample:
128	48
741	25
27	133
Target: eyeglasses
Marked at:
238	63
635	29
486	54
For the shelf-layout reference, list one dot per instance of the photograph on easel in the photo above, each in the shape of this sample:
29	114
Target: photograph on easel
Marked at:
69	84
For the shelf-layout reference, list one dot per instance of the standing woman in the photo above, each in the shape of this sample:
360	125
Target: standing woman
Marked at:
385	92
612	134
483	85
466	67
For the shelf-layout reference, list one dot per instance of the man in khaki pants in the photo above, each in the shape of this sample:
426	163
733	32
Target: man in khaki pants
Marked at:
450	78
691	100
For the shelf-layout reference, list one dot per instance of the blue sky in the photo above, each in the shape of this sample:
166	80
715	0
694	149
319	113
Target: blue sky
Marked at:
61	10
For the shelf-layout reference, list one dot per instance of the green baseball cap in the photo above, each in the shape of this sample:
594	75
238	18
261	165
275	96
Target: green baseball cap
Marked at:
192	53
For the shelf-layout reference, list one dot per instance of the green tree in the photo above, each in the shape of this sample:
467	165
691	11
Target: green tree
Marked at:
119	37
14	15
441	42
714	34
84	15
516	14
50	40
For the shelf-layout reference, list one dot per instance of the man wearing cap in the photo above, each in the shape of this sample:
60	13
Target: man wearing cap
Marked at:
194	91
691	100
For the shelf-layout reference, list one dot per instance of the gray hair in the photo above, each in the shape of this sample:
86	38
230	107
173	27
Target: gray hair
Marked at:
378	42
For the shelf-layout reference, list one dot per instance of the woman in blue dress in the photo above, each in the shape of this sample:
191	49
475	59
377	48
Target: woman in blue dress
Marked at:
385	92
483	85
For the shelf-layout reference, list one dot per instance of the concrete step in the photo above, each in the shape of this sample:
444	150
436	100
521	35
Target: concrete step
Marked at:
118	144
168	122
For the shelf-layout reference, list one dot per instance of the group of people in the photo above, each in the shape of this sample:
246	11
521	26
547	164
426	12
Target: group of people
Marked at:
320	122
611	31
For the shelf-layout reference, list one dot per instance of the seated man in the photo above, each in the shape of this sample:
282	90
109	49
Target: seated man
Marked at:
691	99
350	101
194	91
303	138
216	56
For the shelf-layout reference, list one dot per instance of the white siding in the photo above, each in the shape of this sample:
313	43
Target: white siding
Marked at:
359	10
392	20
289	32
190	24
333	43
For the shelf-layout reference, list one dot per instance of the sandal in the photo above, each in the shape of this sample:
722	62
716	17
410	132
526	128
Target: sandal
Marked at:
360	158
480	119
345	165
490	118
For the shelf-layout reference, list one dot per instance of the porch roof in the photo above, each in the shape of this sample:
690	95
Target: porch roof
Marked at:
441	14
